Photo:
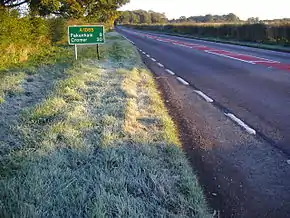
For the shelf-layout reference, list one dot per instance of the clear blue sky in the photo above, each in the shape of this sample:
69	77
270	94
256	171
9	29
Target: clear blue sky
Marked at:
264	9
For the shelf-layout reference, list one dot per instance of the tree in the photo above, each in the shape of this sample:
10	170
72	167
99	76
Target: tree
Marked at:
12	3
232	18
157	17
76	8
141	17
144	16
182	19
125	17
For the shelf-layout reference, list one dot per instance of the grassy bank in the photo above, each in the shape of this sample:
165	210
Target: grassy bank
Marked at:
272	37
93	139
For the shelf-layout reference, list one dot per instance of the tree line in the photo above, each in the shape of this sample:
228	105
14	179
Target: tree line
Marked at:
151	17
141	17
230	18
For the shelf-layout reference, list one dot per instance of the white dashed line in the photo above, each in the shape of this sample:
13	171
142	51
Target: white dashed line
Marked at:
170	72
204	96
241	123
143	52
160	65
182	81
148	56
153	59
129	41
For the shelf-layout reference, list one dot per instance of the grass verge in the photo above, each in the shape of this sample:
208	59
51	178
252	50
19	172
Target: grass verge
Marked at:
100	144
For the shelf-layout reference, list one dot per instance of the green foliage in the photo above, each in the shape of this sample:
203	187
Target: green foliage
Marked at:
76	9
57	27
141	17
21	37
257	33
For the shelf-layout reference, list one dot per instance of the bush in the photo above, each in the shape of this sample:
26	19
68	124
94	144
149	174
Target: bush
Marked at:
21	37
57	27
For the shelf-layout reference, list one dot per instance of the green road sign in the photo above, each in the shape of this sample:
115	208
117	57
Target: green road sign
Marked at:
86	35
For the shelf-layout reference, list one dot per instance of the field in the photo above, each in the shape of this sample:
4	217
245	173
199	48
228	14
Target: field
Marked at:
91	139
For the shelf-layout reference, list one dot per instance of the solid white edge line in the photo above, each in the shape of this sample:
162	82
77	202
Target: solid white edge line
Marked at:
170	72
182	81
204	96
160	65
153	59
241	123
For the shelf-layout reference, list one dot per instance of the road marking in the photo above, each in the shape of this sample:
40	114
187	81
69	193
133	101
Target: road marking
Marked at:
241	123
143	52
160	65
170	72
182	81
129	40
223	55
204	96
153	59
262	59
148	56
266	61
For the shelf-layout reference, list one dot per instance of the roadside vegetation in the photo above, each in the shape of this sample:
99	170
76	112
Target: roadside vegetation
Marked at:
93	139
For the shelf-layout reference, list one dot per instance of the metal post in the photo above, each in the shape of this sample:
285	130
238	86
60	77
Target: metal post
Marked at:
98	51
76	52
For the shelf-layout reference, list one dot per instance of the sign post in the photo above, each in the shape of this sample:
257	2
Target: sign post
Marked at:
76	52
86	35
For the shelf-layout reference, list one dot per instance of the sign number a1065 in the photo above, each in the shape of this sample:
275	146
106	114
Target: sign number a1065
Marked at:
86	35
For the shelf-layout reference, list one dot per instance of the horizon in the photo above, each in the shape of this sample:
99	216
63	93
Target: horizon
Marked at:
175	10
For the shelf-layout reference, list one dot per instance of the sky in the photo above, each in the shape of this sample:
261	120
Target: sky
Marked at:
264	9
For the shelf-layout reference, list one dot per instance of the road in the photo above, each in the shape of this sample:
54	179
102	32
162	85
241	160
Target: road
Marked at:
253	84
250	87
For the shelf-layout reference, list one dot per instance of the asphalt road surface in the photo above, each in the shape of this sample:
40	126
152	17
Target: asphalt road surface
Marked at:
251	88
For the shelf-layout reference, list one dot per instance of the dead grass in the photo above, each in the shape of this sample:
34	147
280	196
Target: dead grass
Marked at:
100	145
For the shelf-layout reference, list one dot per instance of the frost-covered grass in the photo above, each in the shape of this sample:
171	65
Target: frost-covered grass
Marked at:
100	144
